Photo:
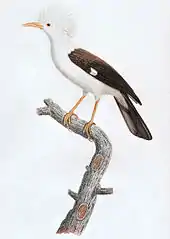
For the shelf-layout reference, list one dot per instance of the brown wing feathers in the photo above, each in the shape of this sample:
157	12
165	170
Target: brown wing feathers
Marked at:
106	74
109	76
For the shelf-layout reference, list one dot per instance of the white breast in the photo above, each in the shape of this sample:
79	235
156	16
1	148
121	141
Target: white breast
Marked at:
82	79
78	76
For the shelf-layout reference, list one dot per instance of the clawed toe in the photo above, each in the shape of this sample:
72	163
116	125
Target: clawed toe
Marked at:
87	129
67	118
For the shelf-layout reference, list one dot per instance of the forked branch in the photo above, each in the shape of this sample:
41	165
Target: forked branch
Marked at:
77	218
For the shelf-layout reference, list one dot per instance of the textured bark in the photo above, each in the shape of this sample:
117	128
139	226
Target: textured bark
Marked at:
77	218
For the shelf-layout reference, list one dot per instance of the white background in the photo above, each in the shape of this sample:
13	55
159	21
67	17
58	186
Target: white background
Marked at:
40	160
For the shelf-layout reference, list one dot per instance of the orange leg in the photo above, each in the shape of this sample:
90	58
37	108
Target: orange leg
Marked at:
90	123
67	117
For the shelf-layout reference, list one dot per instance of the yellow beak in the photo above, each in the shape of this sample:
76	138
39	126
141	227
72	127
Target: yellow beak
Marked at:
33	24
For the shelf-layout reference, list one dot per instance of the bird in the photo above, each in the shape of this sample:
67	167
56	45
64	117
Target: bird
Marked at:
89	72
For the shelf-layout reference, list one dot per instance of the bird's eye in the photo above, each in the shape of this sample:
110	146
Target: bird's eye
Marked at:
48	24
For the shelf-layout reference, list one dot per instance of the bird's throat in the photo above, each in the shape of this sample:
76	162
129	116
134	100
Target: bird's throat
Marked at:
60	48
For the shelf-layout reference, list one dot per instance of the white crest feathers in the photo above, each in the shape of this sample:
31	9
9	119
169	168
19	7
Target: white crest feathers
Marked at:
62	15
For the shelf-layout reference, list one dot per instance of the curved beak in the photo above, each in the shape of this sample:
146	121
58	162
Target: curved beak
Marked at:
33	24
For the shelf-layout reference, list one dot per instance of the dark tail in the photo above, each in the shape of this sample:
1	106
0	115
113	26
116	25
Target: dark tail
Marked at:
132	118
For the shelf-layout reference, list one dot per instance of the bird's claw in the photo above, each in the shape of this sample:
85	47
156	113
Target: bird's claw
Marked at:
87	129
67	118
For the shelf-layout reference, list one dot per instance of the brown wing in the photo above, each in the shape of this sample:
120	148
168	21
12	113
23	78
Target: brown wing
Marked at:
105	73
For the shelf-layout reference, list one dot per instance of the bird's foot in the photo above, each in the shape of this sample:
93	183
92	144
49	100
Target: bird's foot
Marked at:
67	118
87	129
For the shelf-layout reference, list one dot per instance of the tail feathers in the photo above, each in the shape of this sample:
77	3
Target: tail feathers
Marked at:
132	118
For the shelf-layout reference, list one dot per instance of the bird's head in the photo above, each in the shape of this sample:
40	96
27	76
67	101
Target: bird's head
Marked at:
55	20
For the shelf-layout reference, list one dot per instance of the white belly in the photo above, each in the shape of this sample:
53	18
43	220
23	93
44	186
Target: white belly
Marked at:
85	81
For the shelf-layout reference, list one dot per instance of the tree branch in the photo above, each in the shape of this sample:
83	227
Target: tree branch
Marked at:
77	218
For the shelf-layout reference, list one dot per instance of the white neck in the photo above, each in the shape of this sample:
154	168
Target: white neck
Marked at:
61	46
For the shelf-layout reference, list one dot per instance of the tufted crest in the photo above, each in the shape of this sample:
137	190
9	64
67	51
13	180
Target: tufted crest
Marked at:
61	15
